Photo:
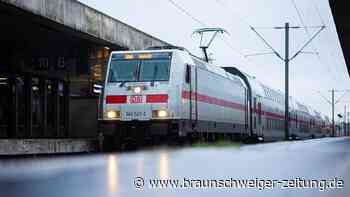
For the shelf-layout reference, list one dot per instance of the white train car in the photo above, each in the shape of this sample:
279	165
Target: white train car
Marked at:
169	92
327	126
268	115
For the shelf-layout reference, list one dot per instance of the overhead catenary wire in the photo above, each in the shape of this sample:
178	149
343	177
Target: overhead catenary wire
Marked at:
302	22
200	22
261	53
335	79
324	97
306	28
242	19
315	5
231	47
307	43
318	13
325	65
267	44
186	12
270	27
338	100
254	28
286	60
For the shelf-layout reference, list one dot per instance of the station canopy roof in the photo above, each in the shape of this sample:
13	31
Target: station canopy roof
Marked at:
341	14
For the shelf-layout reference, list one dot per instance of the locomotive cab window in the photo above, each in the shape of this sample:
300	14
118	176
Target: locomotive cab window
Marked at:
154	70
139	67
123	70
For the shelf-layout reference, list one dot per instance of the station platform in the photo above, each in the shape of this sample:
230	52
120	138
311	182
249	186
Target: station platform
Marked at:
10	147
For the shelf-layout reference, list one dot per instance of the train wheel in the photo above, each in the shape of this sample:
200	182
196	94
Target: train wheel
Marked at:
173	137
250	139
118	140
211	138
108	143
193	138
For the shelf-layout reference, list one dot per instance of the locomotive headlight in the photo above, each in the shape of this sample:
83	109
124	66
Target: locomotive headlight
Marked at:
113	114
160	113
137	90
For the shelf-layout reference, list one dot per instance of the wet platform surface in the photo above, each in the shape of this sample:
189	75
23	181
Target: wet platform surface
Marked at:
137	173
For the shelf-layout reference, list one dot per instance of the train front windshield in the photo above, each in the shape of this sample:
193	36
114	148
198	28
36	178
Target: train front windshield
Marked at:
139	67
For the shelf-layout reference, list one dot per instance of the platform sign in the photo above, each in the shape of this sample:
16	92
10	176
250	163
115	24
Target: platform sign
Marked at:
43	63
97	88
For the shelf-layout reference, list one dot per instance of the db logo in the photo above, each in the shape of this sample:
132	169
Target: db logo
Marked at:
135	99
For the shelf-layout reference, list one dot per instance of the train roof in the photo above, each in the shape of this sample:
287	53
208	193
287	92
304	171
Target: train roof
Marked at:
216	69
196	60
144	51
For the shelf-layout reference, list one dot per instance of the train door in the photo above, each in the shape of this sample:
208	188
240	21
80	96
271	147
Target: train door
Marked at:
259	114
193	96
254	115
246	111
191	86
257	118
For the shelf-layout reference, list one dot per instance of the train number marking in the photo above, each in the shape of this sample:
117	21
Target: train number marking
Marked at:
135	115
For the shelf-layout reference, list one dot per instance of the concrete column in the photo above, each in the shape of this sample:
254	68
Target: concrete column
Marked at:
56	108
13	112
28	120
43	104
66	94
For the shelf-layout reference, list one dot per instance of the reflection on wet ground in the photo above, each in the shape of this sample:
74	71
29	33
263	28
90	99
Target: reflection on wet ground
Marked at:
157	172
112	174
